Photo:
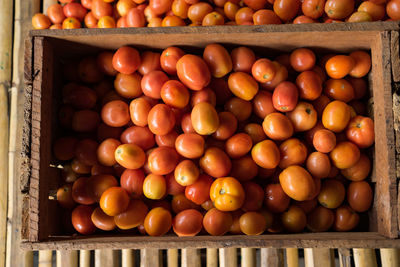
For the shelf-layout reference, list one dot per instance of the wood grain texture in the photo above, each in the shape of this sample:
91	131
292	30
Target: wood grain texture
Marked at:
84	258
292	257
390	257
396	126
127	258
45	258
272	257
190	257
67	258
344	256
228	257
395	55
319	257
364	257
212	257
248	257
107	258
172	258
150	257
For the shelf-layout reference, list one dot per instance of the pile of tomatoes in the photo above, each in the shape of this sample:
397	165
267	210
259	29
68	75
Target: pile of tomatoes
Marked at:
72	14
215	143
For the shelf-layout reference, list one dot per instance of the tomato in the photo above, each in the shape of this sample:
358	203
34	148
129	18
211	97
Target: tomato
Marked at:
285	96
302	59
175	94
154	186
64	148
345	155
309	85
320	219
204	95
393	9
98	184
280	76
336	116
313	8
158	222
277	126
303	117
173	188
307	206
193	72
133	216
168	59
161	119
235	227
88	70
217	222
254	197
64	197
81	220
359	196
104	131
90	21
230	10
100	9
263	70
187	223
160	6
339	66
238	145
255	131
80	192
339	89
227	194
68	23
135	18
243	59
359	85
79	167
244	16
55	13
186	173
240	108
115	113
130	156
218	60
346	219
266	154
75	10
106	151
140	136
199	191
339	9
68	175
294	219
243	85
132	182
376	11
163	160
276	199
204	118
286	9
139	110
126	60
297	183
167	139
180	8
106	22
215	162
324	141
244	168
318	164
186	123
332	194
128	85
170	21
123	6
104	62
292	152
265	16
190	145
359	171
180	203
150	61
361	131
152	83
252	223
102	220
303	19
114	200
100	169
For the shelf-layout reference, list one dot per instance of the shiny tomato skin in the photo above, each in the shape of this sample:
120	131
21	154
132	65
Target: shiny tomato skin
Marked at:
358	171
186	172
158	222
106	150
252	223
297	183
126	60
243	59
193	72
217	59
215	162
97	184
154	186
133	216
285	96
292	152
254	196
303	117
294	219
318	164
163	160
266	154
199	191
190	145
227	194
64	197
217	222
115	113
102	220
205	120
243	85
187	223
80	192
161	119
244	168
227	125
81	219
313	8
238	145
140	136
361	131
132	182
277	126
130	156
339	9
75	10
139	110
302	59
168	59
114	201
276	199
336	116
346	219
152	83
175	94
173	188
345	155
359	196
309	84
286	9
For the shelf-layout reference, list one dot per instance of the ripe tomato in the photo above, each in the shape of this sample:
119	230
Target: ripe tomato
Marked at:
104	62
266	154
90	21
320	219
154	186
294	219
186	173
180	8
265	16
339	89
320	104
180	203
227	194
215	162
172	20
262	104
167	139
319	165
243	85
336	116
163	160
297	183
106	22
238	145
175	94
199	191
130	156
190	145
332	194
104	131
254	197
114	200
115	113
81	220
64	197
139	110
361	131
132	182
277	126
307	206
133	216
218	59
359	171
292	152
227	126
276	199
187	223
140	136
102	220
359	196
252	223
339	66
80	191
75	10
193	72
106	151
235	227
359	85
345	155
100	9
126	59
168	59
244	16
393	9
173	188
285	96
186	123
150	61
376	11
160	6
79	167
204	95
239	107
243	59
123	6
135	18
217	222
230	10
324	141
161	119
255	131
152	83
286	9
339	9
309	85
158	222
303	117
263	70
346	219
55	13
204	118
313	8
68	23
96	185
302	59
128	85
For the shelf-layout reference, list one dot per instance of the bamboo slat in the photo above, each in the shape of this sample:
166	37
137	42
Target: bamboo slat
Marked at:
106	258
319	257
150	257
172	258
248	257
272	257
390	257
23	11
84	258
45	258
212	257
228	257
127	258
67	258
191	258
344	257
292	257
364	257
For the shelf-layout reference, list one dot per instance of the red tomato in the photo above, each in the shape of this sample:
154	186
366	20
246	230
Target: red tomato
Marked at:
81	219
187	223
132	182
161	119
193	72
115	113
285	96
361	131
199	191
254	197
126	60
75	10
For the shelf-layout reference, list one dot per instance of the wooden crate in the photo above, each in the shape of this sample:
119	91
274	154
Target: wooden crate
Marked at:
45	49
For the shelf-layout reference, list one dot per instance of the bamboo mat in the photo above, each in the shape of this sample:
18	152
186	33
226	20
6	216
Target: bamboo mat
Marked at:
13	30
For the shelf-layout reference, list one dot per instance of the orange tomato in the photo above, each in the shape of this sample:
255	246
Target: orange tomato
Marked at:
393	9
332	194
302	59
186	173
339	9
106	22
320	219
180	203
175	94
204	118
277	126
139	110
293	152
238	145
217	59
280	76
266	154
190	145
204	95
240	108
199	191
64	197
213	18
149	61
339	89
102	220
319	165
361	131
230	10
359	171
276	199
137	135
262	104
128	85
193	72
309	84
68	23
187	223
152	83
81	220
303	117
252	223
243	59
180	8
286	9
265	16
98	184
173	188
244	15
217	222
167	139
339	66
285	96
172	20
130	156
297	183
345	155
132	182
359	16
160	6
294	219
168	59
254	197
104	62
215	162
100	9
313	8
376	11
336	116
133	216
243	85
255	131
359	196
106	151
114	201
163	160
154	186
158	222
123	6
227	194
55	13
161	119
346	219
126	60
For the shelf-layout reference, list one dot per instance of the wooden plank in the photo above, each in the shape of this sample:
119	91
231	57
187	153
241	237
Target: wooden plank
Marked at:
345	258
67	258
190	257
150	257
390	257
172	258
364	257
106	258
272	257
228	257
212	257
395	55
45	258
128	258
27	259
248	257
396	124
84	258
319	257
292	257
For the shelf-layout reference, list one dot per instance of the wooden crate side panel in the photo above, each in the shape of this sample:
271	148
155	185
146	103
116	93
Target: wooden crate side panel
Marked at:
385	202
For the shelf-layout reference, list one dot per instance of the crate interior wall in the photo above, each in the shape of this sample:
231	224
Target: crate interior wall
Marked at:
46	49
